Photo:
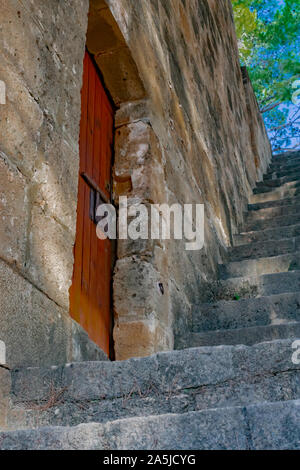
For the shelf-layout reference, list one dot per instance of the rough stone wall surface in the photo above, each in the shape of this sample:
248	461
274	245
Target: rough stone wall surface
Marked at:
211	148
39	126
260	143
182	135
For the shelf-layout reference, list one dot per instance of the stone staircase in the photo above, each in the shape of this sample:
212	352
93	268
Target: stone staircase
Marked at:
263	266
232	384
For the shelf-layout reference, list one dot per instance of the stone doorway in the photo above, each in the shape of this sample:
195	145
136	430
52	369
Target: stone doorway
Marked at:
137	173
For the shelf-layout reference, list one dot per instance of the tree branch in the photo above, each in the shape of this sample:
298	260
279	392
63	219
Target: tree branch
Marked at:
270	107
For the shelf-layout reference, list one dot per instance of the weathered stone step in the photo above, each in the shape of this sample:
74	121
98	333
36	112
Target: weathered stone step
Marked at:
285	160
249	287
264	249
262	426
257	267
275	203
270	212
286	155
287	191
284	164
283	282
285	187
176	382
277	182
261	311
282	221
274	233
277	167
246	336
279	173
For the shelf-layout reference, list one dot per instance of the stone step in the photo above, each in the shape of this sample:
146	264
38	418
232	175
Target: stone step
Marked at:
264	249
259	266
245	336
287	191
279	173
249	287
244	313
172	382
284	164
275	233
285	187
265	425
277	182
283	282
286	155
270	212
282	221
275	203
285	161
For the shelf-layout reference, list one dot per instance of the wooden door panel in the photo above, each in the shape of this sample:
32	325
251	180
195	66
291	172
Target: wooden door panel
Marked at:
90	296
75	291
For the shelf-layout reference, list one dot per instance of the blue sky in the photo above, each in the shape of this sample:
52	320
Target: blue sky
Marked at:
292	111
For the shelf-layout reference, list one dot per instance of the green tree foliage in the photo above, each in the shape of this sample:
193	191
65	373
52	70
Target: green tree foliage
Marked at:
268	33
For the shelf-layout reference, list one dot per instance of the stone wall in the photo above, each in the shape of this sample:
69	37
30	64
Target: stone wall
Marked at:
260	143
183	134
204	142
39	127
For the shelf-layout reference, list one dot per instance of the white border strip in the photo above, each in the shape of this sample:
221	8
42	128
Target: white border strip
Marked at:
2	92
2	353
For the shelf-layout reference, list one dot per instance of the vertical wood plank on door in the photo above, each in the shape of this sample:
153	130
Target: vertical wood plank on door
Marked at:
75	290
90	293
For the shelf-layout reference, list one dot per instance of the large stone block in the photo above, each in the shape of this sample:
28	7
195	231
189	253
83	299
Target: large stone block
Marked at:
13	213
140	338
35	329
55	181
132	112
187	431
207	371
103	33
121	74
275	426
267	426
138	158
20	120
140	291
62	32
31	326
50	261
53	82
269	357
181	311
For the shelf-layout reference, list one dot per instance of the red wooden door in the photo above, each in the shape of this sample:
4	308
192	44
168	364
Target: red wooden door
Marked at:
90	293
